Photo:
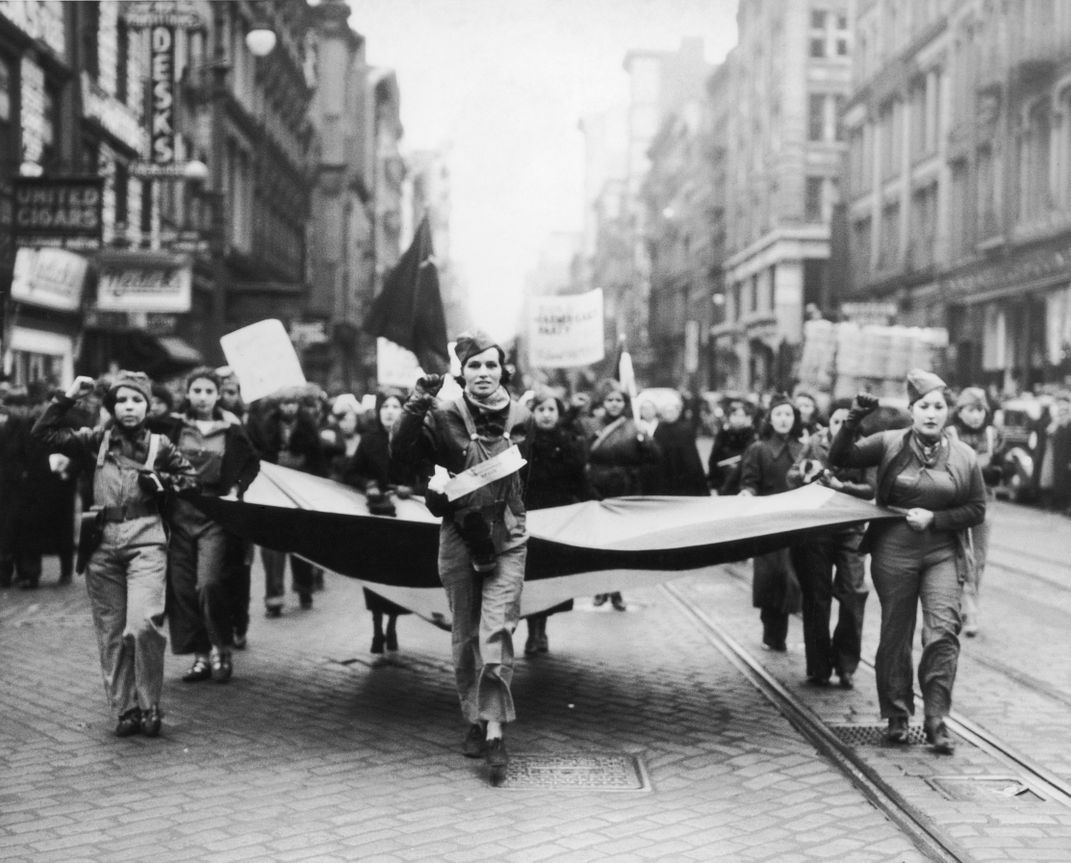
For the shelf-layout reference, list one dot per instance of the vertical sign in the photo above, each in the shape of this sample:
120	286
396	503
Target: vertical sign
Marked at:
162	65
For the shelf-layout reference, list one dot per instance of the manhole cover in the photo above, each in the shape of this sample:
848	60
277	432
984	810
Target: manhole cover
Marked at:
874	735
985	788
600	771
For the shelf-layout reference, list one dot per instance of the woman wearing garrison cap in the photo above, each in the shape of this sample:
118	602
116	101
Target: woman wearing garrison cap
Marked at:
483	541
936	481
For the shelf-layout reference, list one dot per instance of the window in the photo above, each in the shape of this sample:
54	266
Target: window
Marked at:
816	117
90	32
838	120
49	152
860	250
812	205
889	252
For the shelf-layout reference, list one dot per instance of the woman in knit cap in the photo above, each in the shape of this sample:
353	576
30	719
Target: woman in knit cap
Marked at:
133	471
483	541
935	480
972	423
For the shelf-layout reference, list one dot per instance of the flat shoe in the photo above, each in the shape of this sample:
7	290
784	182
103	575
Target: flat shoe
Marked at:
898	732
200	670
846	681
129	723
496	755
221	667
938	736
150	721
475	742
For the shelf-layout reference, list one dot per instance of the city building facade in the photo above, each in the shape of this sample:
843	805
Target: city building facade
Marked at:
184	139
959	206
787	80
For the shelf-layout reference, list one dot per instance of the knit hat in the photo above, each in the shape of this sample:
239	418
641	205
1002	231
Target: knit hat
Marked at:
131	380
972	397
920	382
469	345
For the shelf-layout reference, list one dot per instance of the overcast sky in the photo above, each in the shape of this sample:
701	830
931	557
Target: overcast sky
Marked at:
503	84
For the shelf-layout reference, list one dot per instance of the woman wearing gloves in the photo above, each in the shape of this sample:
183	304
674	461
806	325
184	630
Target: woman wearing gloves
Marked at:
125	575
926	557
483	541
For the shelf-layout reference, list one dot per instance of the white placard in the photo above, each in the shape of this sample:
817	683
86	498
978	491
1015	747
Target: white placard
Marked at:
263	359
565	331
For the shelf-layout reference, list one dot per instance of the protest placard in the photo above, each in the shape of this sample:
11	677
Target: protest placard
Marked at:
263	359
565	330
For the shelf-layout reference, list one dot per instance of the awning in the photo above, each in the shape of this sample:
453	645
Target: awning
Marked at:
160	357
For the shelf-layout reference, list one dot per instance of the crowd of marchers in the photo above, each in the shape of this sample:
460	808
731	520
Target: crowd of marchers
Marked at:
130	454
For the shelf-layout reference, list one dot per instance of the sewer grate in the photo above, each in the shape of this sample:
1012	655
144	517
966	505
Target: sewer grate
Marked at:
985	788
599	771
874	735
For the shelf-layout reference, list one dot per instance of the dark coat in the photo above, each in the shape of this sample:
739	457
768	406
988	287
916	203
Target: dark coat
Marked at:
623	461
305	444
682	467
764	471
555	474
726	456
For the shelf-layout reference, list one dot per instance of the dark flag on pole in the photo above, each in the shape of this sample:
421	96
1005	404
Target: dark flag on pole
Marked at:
409	309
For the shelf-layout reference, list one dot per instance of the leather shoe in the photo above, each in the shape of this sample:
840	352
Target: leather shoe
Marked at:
200	670
475	742
221	666
898	732
618	602
129	723
495	753
846	680
150	721
938	735
377	644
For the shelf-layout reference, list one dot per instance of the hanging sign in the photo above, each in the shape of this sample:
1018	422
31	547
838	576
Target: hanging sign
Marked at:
52	278
162	73
58	211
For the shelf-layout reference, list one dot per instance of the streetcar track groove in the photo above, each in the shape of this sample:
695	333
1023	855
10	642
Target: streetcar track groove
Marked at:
1037	776
927	837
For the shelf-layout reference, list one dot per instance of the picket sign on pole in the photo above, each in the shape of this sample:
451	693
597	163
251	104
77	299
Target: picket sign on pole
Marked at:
263	359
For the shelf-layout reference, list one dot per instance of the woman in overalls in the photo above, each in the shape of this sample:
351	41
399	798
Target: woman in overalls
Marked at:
125	576
483	541
199	587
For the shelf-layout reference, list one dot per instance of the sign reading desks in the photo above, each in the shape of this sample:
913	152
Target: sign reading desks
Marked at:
58	211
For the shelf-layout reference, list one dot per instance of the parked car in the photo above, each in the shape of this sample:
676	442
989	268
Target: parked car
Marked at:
1016	420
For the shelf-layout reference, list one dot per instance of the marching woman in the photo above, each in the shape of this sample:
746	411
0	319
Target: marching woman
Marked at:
774	586
199	600
924	558
133	471
555	477
622	458
483	541
972	423
736	434
370	470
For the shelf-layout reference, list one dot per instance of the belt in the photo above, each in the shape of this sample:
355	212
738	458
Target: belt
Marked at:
126	512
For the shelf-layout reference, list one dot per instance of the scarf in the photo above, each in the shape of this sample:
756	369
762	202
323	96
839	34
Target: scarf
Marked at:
929	454
496	401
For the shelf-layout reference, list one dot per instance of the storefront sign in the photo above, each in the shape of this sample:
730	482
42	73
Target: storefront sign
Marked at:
565	330
304	334
162	121
52	278
1013	274
38	19
112	116
144	14
143	282
58	211
878	314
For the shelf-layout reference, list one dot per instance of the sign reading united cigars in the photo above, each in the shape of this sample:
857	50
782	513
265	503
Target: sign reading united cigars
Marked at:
143	282
58	211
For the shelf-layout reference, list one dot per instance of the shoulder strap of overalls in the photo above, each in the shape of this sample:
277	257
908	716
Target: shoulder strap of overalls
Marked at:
466	416
154	449
103	451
